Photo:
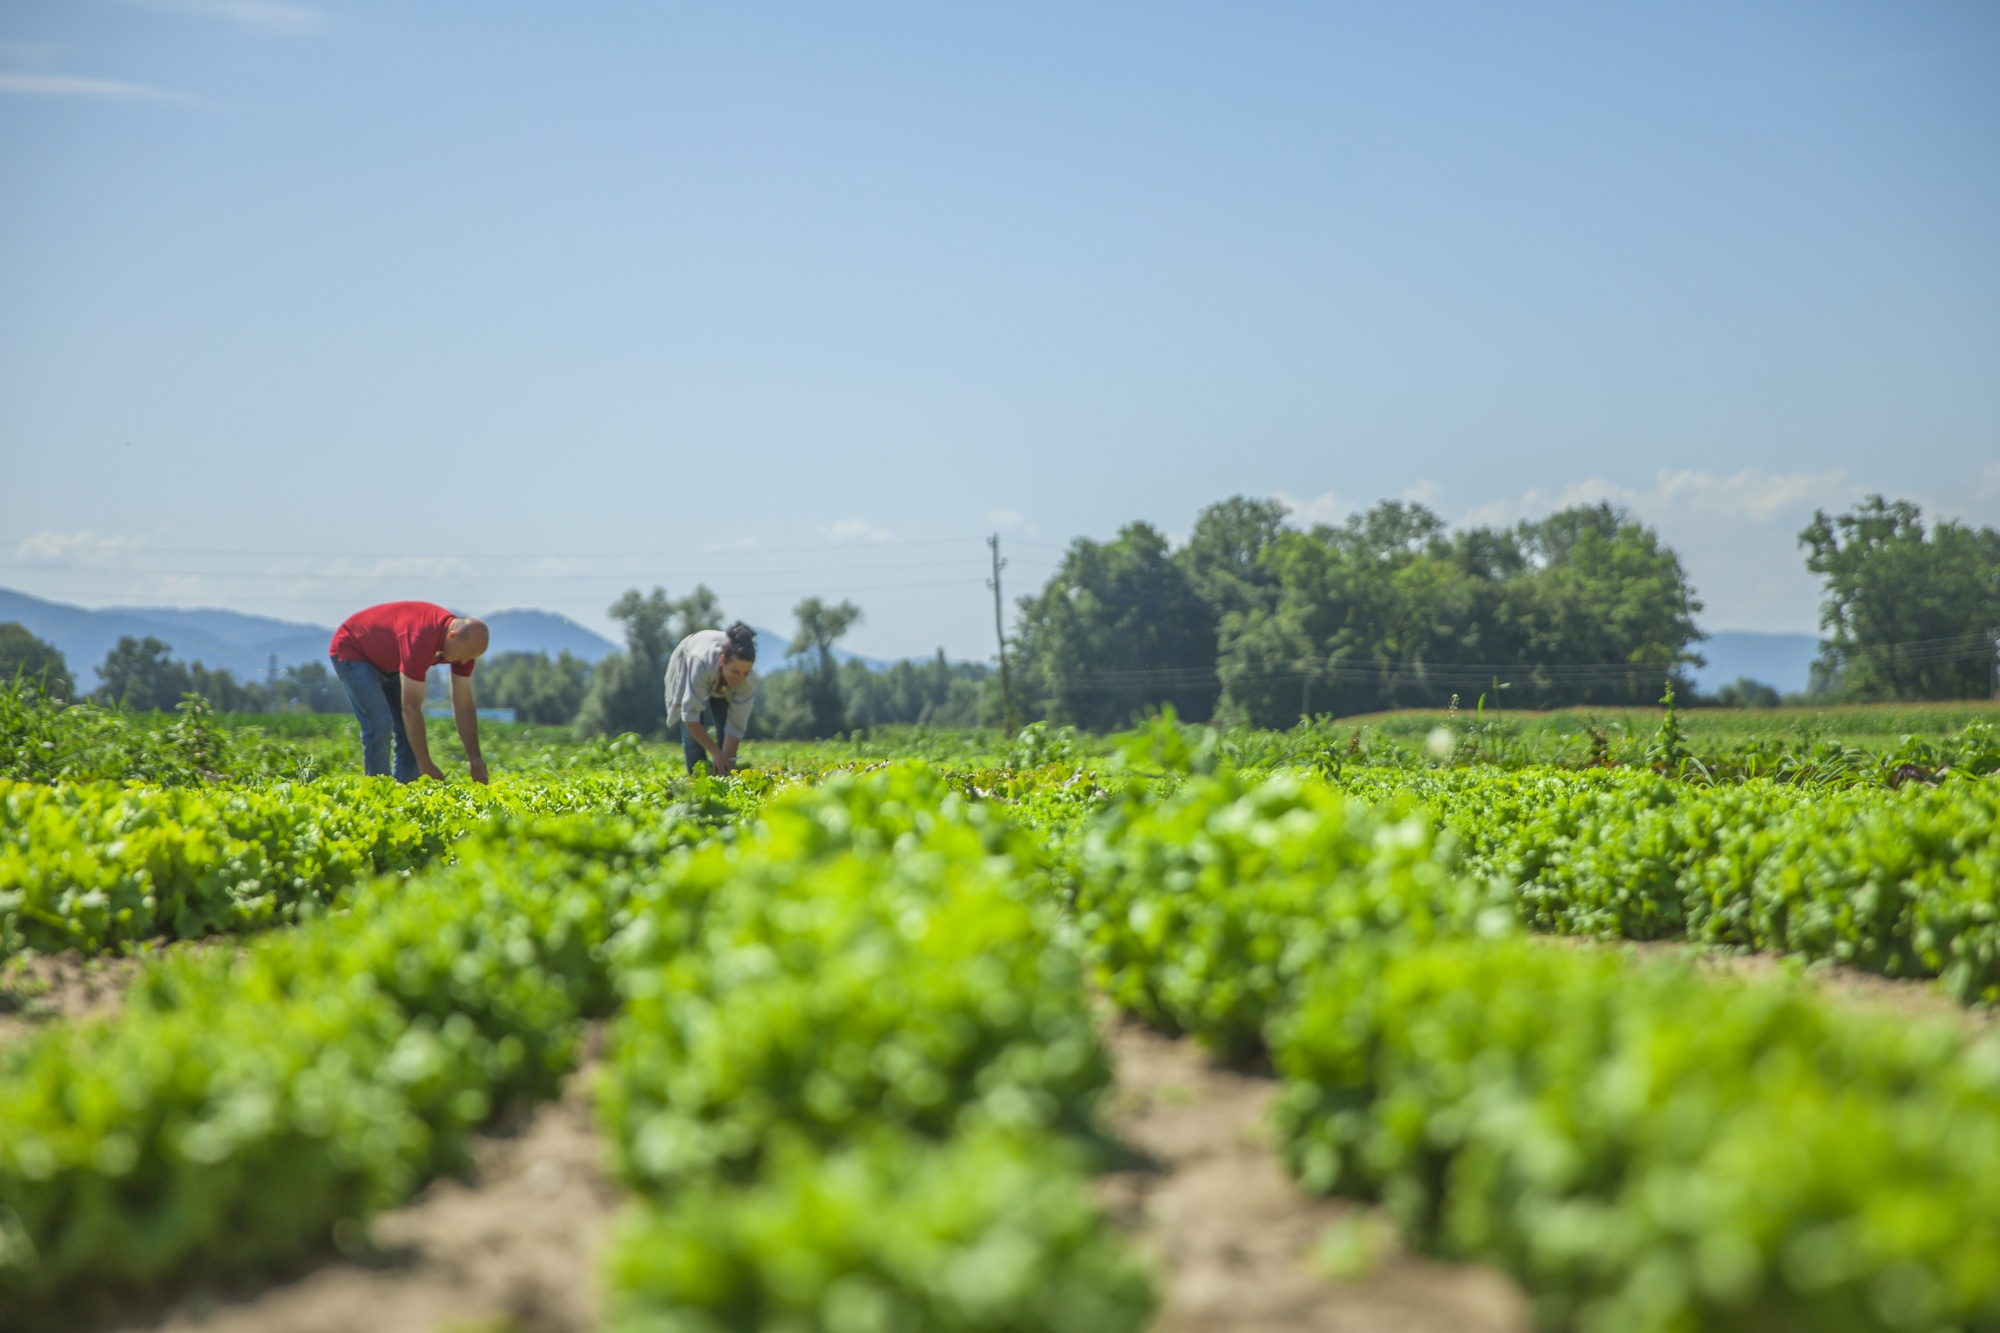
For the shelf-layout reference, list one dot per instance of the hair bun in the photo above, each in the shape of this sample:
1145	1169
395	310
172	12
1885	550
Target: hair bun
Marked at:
742	641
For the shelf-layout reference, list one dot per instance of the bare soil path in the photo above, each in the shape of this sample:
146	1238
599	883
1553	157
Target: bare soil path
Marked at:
1233	1237
514	1249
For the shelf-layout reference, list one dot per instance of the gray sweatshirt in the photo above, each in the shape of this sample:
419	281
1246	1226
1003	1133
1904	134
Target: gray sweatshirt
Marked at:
694	675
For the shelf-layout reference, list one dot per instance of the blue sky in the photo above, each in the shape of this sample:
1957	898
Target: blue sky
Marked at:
308	306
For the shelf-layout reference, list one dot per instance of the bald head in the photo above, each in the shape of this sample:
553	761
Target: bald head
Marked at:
464	639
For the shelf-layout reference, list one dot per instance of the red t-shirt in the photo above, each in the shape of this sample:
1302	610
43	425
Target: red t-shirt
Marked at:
397	636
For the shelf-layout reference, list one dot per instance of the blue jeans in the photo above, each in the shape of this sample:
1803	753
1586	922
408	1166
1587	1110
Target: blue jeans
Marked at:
690	747
377	697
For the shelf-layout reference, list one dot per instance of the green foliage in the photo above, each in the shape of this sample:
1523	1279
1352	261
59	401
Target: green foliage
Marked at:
851	1075
1389	609
44	740
934	694
243	1104
32	660
1202	909
1642	1148
1909	613
817	681
986	1231
1743	692
137	673
1118	630
1648	1148
537	689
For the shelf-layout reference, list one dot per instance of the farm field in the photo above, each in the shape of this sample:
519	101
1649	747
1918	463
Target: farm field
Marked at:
1573	1021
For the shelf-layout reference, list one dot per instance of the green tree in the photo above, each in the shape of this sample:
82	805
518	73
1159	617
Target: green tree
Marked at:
1224	555
223	692
1906	611
1118	629
1608	602
137	673
819	627
932	693
1391	609
550	692
28	658
309	688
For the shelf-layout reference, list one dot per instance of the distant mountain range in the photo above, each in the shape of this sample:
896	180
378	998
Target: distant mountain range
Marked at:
245	644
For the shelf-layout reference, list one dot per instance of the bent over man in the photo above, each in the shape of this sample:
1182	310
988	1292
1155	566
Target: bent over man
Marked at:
708	681
382	656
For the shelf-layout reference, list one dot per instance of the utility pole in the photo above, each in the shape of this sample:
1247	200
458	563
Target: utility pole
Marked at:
1009	718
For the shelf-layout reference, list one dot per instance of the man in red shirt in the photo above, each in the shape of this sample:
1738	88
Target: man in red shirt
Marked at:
382	656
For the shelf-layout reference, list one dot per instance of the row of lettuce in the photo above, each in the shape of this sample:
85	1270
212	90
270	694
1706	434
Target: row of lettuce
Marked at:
1644	1147
1903	882
99	866
852	1080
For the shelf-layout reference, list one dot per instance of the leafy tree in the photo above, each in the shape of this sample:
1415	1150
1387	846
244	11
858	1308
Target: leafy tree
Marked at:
31	659
309	688
628	689
223	692
1224	556
137	673
1391	609
536	688
1743	692
1117	630
933	693
819	627
1907	611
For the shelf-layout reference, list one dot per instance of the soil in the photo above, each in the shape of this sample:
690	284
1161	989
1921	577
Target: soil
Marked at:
512	1250
40	988
1236	1244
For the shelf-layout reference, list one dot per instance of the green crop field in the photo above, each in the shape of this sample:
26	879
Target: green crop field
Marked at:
855	1076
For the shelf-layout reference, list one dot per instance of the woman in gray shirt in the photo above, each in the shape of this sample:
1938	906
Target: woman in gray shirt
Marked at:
709	681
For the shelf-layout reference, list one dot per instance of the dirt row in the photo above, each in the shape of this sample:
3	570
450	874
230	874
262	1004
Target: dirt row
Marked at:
1236	1245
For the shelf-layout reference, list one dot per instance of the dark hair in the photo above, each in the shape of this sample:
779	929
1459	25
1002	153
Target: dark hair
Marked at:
742	643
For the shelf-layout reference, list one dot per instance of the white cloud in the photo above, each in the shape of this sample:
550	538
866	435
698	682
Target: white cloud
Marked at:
1425	492
264	15
1751	494
78	550
1324	508
67	85
855	529
1012	520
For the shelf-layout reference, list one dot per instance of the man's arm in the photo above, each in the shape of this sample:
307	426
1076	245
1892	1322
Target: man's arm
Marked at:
413	727
465	714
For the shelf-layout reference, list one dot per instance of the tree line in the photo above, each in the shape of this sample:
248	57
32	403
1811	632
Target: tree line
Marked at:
1252	621
1256	622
